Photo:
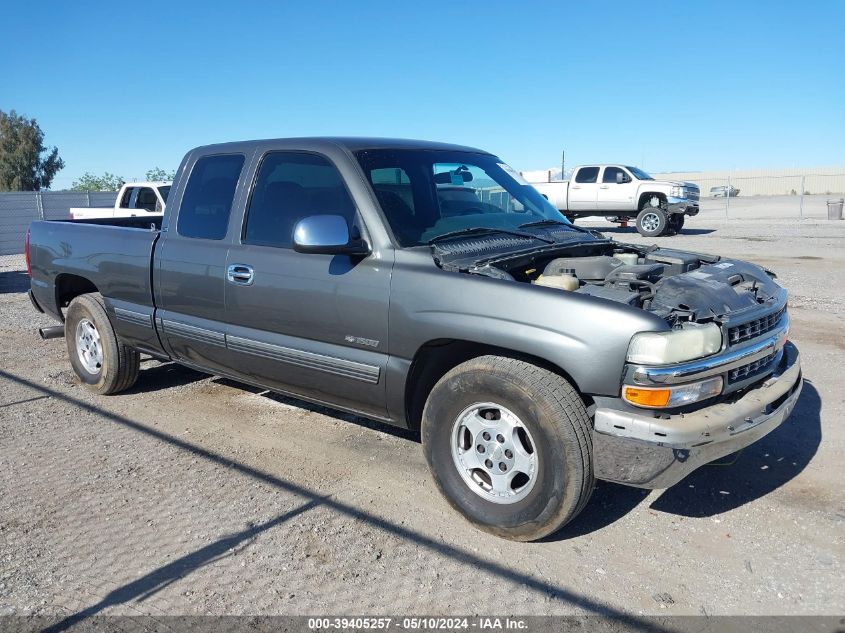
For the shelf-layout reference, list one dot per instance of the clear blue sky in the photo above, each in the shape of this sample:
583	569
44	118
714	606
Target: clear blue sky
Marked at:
674	85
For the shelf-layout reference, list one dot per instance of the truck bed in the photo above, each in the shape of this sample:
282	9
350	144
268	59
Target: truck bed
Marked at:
112	255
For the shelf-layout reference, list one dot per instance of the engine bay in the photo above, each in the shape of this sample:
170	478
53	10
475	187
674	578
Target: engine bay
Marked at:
676	285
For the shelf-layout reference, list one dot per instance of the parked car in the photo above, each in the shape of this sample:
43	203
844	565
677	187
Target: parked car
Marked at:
621	192
427	286
723	191
134	199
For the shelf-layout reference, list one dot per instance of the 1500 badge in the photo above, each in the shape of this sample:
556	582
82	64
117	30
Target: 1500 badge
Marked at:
369	342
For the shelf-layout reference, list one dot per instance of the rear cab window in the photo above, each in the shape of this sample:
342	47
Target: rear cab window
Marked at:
207	202
587	175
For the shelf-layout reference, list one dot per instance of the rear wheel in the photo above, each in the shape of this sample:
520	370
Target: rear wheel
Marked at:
509	446
102	362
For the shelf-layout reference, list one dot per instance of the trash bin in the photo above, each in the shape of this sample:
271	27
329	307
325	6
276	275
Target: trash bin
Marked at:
834	209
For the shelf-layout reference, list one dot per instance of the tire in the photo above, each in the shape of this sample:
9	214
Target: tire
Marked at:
103	364
521	407
652	221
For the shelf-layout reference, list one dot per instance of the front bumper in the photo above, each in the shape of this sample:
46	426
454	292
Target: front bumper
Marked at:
649	452
682	205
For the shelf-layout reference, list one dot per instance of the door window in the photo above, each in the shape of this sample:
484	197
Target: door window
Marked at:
610	174
207	202
291	186
587	174
146	199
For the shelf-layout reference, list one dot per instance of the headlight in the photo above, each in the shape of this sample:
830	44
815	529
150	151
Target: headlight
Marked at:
677	192
664	348
675	396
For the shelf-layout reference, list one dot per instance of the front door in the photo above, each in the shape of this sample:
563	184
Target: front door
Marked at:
312	325
613	195
583	189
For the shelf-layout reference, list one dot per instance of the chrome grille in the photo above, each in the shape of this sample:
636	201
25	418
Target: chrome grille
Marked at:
755	328
751	369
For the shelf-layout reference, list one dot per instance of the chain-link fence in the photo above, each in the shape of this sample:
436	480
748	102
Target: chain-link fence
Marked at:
786	193
18	209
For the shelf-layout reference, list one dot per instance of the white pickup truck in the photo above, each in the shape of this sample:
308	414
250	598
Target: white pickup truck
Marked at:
133	199
619	193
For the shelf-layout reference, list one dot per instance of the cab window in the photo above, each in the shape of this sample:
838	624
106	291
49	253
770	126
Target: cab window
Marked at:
126	198
291	186
207	202
587	174
610	174
146	199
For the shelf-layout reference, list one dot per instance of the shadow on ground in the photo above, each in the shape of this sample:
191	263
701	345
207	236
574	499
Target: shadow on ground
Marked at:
713	489
178	570
323	410
13	281
758	470
164	376
720	487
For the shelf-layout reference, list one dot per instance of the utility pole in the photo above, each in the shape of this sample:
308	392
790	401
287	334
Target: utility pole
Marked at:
562	163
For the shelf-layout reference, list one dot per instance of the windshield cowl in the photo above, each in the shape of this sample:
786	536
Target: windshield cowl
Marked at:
474	250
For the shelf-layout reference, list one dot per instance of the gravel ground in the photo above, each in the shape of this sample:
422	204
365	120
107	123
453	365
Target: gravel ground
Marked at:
193	495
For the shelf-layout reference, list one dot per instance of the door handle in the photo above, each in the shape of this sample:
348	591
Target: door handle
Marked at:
240	274
605	187
576	187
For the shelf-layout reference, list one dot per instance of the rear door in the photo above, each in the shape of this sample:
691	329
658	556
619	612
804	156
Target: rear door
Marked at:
307	324
616	196
190	266
583	189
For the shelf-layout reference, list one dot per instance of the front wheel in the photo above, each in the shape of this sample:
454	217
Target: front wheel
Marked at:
509	446
652	221
100	360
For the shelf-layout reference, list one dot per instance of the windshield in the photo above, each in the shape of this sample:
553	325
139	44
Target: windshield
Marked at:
425	194
164	191
639	174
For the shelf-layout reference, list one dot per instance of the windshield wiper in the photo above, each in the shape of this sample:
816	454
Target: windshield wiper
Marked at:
486	229
546	222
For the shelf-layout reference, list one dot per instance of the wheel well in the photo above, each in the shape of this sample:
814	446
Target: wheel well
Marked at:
434	359
648	195
68	287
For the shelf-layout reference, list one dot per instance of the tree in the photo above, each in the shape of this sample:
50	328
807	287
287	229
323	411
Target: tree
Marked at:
90	182
25	164
157	174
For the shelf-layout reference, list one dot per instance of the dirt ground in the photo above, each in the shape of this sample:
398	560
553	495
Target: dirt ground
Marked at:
194	495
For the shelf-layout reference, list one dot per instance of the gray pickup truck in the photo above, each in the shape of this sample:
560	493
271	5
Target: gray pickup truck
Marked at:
428	286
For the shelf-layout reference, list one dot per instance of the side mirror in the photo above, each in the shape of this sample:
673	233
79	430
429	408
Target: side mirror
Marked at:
326	235
622	178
